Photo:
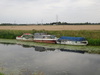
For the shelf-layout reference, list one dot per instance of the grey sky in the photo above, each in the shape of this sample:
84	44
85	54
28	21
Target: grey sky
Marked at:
37	11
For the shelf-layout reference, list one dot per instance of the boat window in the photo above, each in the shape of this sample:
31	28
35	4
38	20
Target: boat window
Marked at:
43	36
24	35
84	42
32	37
49	37
52	37
63	40
59	40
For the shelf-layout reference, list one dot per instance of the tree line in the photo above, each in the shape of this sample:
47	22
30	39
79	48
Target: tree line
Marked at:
53	23
65	23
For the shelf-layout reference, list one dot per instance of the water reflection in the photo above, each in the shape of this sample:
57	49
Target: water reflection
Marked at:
27	46
18	60
76	51
42	49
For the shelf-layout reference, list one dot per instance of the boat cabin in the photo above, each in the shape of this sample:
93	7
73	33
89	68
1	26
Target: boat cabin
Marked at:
43	37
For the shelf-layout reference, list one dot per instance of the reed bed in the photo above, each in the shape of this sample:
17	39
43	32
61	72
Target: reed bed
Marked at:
93	36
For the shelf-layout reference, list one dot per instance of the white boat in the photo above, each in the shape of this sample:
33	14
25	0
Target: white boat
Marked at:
43	37
72	40
26	37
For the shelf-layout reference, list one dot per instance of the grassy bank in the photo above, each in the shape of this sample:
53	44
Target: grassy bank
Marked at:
93	36
89	49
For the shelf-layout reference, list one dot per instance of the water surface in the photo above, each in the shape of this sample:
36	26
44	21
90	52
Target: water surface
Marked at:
23	60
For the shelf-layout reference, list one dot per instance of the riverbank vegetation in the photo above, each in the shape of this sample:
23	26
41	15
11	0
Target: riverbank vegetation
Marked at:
88	49
93	36
1	73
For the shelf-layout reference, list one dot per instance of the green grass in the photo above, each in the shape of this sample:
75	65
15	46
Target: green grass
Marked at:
94	42
93	36
1	73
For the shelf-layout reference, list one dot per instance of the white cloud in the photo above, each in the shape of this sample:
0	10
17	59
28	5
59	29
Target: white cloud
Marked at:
84	3
67	10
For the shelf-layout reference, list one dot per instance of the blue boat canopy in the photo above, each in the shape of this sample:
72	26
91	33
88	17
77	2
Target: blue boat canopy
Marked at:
72	38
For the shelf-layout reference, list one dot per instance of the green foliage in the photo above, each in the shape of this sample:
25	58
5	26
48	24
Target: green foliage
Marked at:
94	42
1	73
93	36
11	34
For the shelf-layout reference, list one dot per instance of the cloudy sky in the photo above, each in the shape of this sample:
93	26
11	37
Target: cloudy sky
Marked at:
42	11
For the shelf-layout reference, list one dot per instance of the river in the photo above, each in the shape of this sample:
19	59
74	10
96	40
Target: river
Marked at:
24	60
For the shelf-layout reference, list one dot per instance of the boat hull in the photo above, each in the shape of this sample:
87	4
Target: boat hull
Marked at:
46	41
73	42
24	39
36	40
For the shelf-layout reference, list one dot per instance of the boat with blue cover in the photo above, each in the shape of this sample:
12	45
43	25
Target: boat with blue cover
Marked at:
72	40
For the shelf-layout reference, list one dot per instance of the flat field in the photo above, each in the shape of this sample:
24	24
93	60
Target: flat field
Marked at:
52	27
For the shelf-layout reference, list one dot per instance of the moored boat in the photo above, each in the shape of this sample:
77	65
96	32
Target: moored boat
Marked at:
43	37
26	37
72	40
